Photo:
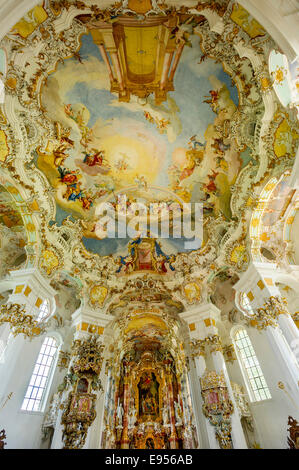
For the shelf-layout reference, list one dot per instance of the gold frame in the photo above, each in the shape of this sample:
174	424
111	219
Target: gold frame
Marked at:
161	382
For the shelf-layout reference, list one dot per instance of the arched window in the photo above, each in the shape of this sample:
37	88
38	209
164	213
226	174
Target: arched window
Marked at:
43	311
256	384
39	382
245	304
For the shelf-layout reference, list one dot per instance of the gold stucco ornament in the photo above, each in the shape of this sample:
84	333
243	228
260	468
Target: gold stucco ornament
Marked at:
21	323
88	355
217	406
49	261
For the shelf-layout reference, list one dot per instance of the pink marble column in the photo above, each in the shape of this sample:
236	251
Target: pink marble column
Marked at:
125	442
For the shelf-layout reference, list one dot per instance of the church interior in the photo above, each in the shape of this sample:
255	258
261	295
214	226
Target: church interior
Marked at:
141	114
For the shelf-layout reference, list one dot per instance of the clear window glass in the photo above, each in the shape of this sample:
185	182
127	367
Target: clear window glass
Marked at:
245	304
40	376
251	367
43	311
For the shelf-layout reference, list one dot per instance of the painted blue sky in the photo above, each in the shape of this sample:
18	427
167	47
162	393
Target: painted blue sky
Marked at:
191	86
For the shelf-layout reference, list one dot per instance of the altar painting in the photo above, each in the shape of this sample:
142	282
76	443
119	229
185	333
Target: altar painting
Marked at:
148	396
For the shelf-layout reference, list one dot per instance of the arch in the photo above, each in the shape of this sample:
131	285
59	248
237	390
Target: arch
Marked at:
26	214
258	228
44	311
282	27
243	304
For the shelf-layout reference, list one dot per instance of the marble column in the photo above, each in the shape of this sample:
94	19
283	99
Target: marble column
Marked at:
270	315
210	318
194	319
86	322
29	289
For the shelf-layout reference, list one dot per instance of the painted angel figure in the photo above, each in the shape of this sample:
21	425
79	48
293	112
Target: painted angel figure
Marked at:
69	176
94	158
59	154
195	144
141	182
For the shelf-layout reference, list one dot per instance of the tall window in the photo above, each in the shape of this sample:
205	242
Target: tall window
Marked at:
258	388
43	311
245	304
38	384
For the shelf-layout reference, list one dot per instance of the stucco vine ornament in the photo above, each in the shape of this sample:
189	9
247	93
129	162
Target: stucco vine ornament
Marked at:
87	355
218	33
267	315
79	383
20	321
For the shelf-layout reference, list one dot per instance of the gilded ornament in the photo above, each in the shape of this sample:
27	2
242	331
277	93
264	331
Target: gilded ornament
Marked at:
229	353
98	295
49	261
87	355
217	406
21	323
63	360
268	314
192	292
293	430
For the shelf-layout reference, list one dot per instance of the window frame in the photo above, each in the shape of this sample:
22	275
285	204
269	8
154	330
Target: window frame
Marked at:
43	309
244	304
49	378
244	370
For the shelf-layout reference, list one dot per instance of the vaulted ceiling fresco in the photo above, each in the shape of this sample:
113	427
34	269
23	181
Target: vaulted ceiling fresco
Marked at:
143	102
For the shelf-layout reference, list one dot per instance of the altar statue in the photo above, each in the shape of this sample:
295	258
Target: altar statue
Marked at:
132	418
119	414
178	414
165	415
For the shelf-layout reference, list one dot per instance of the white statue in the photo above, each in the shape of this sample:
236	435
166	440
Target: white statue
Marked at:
178	414
141	427
119	414
165	414
187	415
132	418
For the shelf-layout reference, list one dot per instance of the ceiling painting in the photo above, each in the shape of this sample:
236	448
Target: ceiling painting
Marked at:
179	150
154	103
151	103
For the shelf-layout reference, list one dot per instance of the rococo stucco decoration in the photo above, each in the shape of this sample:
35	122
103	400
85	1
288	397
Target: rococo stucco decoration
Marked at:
165	104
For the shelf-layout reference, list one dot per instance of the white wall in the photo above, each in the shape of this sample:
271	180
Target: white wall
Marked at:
271	416
23	429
